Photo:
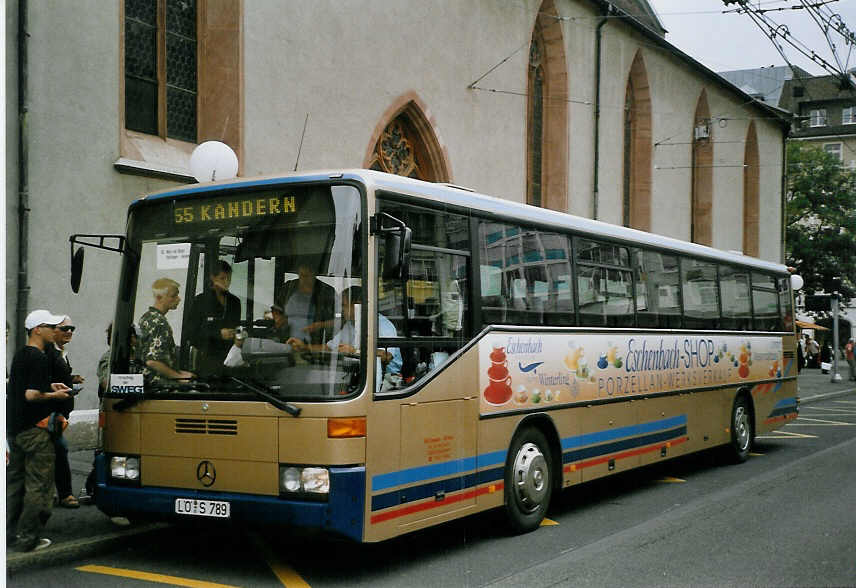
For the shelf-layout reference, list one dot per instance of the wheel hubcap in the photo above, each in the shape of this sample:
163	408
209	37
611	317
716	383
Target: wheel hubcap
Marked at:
531	477
741	427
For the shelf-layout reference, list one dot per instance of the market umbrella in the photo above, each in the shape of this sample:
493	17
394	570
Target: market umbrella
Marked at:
805	325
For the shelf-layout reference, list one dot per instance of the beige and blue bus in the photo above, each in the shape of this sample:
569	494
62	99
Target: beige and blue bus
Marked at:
451	353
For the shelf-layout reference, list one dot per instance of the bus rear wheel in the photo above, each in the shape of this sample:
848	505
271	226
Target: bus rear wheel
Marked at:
528	480
742	430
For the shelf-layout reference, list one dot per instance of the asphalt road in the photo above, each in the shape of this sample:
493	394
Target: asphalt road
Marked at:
786	517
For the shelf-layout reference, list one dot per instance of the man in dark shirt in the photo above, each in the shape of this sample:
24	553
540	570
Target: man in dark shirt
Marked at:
214	316
31	399
61	372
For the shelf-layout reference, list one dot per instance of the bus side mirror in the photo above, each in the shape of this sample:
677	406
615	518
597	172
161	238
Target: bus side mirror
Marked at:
76	269
397	253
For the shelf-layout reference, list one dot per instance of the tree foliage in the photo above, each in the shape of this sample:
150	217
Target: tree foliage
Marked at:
820	225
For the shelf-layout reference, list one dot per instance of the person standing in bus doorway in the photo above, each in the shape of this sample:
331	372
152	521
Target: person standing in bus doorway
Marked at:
214	318
851	359
61	372
157	352
31	400
309	304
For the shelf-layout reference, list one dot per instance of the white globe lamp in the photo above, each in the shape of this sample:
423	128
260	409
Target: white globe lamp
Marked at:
796	282
212	161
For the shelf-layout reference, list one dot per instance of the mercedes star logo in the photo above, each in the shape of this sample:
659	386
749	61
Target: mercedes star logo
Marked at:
206	473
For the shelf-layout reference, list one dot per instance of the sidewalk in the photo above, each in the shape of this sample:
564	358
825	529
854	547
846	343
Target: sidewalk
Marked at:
86	531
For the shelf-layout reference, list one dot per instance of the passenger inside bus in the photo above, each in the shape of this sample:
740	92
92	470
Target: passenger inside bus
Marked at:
157	351
214	317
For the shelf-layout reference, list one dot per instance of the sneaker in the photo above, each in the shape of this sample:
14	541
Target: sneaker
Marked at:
84	498
42	543
37	545
69	502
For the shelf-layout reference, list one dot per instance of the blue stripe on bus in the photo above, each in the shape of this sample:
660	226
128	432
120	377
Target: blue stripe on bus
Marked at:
612	434
414	493
436	470
631	443
784	406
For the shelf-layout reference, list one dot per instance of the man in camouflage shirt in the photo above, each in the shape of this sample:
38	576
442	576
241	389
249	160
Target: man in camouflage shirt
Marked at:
157	345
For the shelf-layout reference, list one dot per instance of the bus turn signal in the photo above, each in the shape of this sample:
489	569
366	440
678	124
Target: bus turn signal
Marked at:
341	428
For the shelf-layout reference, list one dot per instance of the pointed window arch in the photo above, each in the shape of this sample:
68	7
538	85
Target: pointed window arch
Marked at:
701	230
636	209
405	143
751	193
547	113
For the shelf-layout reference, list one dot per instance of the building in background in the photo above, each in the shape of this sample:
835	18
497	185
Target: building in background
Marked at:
824	111
764	83
581	106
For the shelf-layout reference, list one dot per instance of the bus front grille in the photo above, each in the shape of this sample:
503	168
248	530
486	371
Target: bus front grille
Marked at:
206	426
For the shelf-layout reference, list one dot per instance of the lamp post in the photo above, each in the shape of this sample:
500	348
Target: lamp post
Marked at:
836	377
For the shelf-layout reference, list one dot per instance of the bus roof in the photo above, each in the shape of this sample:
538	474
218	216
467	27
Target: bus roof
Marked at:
488	205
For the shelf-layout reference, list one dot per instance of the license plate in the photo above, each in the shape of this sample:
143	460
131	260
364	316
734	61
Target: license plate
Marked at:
202	508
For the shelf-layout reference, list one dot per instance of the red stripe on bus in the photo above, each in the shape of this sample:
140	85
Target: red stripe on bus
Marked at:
431	503
785	417
632	453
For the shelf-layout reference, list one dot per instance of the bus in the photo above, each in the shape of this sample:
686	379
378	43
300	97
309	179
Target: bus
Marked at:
498	354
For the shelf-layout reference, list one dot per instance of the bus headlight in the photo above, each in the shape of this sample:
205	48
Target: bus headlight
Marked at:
315	480
304	480
289	479
124	467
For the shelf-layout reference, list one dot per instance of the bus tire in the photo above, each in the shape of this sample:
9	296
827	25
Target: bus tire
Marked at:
742	430
528	480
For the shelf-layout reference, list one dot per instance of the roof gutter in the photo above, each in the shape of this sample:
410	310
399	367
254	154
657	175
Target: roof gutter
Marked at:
781	116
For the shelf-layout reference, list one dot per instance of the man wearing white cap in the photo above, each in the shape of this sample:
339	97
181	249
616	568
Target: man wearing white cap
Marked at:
30	400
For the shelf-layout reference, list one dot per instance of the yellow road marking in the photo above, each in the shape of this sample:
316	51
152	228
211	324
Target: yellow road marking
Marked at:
285	573
671	480
548	523
159	578
753	454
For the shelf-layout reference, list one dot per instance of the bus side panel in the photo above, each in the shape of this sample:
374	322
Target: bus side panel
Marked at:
608	442
672	442
422	454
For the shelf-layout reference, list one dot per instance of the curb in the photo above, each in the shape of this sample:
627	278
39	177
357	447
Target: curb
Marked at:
819	397
73	550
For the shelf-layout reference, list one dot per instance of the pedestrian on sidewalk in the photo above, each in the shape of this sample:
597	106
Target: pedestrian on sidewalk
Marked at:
87	493
31	400
851	360
62	372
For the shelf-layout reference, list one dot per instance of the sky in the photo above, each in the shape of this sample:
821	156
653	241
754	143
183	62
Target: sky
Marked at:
732	41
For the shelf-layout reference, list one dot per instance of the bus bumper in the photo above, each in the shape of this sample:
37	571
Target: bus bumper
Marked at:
341	514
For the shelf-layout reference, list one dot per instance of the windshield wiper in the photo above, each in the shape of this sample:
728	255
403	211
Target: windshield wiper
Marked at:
265	393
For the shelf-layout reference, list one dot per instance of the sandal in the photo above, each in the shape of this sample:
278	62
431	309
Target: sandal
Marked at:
69	502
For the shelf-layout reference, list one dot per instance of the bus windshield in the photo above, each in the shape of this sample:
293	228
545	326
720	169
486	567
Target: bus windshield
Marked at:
237	291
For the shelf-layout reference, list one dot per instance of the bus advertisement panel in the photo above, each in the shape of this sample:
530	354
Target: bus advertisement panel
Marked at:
531	371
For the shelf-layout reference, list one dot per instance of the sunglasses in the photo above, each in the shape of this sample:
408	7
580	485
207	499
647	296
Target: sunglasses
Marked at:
67	329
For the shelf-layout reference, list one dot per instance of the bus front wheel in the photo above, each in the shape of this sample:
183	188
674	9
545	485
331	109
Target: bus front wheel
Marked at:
528	480
742	430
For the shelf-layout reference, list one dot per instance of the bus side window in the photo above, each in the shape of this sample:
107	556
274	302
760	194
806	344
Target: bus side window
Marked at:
525	276
431	319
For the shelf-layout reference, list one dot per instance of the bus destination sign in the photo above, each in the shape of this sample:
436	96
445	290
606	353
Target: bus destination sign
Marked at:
239	208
